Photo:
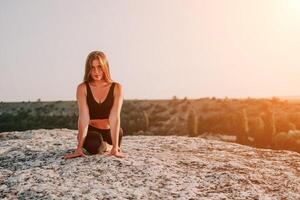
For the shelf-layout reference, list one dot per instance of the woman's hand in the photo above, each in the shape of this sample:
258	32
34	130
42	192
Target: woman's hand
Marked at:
77	153
114	152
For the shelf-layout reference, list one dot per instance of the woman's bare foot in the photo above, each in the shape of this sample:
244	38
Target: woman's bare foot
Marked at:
116	153
109	147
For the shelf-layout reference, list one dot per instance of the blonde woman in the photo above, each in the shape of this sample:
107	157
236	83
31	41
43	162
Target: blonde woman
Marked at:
99	101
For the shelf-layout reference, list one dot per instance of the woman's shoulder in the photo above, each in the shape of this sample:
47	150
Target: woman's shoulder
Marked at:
82	86
118	86
118	90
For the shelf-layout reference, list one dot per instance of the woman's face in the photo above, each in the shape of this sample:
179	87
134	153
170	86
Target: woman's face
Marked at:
96	71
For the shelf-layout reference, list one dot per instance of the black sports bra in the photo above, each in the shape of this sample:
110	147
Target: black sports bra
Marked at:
100	110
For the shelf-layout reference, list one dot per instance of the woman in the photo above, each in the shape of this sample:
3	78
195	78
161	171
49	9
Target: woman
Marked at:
99	101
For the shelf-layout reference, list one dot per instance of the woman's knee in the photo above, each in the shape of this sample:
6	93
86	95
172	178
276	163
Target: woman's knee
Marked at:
93	142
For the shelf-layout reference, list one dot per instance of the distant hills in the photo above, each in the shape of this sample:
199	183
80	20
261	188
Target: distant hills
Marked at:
268	123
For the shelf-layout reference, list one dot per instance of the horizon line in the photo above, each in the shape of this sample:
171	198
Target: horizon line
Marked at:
158	99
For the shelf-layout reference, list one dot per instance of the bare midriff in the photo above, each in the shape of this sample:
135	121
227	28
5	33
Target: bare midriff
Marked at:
100	123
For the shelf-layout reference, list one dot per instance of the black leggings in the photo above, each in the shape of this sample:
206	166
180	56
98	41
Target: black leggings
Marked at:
93	142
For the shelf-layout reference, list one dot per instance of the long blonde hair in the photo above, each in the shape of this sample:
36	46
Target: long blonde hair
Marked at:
103	63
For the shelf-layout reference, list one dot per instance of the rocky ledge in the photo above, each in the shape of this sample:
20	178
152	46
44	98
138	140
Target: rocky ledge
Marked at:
157	167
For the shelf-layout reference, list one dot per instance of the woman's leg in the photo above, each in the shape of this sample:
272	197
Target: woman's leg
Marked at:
107	137
93	142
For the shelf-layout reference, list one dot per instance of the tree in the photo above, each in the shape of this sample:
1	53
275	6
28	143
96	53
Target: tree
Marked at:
192	124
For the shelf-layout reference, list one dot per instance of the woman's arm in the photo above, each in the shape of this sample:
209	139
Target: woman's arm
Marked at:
114	117
83	118
83	121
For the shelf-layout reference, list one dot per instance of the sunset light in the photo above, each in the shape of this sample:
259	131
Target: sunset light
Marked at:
150	99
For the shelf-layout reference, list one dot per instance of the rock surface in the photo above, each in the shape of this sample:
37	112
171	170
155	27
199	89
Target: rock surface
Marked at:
157	167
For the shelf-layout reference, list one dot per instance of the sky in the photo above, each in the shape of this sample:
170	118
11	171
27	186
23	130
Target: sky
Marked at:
156	49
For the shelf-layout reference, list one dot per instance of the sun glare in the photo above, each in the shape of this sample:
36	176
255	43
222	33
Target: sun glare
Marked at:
294	7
